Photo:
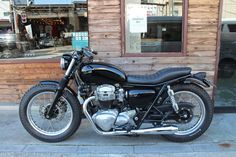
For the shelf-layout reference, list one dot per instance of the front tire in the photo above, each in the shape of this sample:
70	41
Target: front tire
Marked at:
32	110
207	111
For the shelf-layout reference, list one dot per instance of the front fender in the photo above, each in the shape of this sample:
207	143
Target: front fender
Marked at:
49	82
56	83
199	79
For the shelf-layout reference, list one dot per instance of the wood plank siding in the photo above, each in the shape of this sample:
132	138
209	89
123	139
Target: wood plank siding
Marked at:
106	36
16	78
201	43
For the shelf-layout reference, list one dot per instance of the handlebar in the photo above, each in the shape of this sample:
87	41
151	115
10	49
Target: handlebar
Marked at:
95	52
88	52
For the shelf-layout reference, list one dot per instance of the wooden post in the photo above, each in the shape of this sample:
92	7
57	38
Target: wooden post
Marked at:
15	18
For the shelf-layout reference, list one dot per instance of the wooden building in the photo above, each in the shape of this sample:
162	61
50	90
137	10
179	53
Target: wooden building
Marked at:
108	35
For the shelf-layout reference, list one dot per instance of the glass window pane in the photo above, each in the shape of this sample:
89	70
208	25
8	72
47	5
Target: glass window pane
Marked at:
6	13
226	86
232	28
153	26
46	29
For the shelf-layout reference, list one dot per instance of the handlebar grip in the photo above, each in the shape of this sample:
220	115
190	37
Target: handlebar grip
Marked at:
95	52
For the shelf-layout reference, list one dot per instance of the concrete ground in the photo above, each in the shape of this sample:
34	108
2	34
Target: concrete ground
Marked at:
219	140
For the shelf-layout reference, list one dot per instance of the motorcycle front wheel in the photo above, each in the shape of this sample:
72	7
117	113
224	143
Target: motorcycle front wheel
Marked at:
195	117
64	121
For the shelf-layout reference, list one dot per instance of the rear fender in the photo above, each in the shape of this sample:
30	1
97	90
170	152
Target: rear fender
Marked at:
56	83
199	79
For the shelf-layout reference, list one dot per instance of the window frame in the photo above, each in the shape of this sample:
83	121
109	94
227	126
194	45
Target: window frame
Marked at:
156	54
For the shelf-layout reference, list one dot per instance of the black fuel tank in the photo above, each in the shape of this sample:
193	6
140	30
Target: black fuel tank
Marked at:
101	73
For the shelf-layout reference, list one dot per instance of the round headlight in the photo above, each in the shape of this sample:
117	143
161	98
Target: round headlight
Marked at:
65	61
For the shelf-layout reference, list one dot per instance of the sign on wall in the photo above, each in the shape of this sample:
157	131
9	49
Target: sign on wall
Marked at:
79	40
152	10
137	17
29	31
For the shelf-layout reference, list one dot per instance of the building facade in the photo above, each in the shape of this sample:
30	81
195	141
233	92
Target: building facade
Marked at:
139	36
196	38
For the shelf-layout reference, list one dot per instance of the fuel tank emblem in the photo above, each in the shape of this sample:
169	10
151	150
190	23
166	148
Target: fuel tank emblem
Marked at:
87	70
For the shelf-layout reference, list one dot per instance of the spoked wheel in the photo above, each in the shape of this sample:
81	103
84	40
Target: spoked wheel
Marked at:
195	113
65	119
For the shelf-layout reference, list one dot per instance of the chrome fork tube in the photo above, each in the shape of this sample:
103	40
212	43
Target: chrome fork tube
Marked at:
63	83
70	67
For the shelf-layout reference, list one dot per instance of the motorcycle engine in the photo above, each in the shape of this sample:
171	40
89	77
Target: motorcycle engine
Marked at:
105	94
108	117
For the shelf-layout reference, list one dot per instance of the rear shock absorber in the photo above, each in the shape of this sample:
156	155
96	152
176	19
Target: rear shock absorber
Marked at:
172	99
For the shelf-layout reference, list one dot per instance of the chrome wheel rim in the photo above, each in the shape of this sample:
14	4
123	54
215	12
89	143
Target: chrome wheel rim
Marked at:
198	110
49	127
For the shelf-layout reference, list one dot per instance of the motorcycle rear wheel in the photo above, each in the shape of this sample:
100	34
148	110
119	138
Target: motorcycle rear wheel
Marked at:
205	106
66	116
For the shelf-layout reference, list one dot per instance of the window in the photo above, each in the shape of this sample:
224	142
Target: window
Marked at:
45	30
232	27
153	26
6	13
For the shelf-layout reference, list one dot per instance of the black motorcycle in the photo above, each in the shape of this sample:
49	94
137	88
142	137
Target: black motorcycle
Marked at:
171	102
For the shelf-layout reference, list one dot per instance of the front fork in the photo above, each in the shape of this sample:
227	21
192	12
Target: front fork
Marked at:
62	85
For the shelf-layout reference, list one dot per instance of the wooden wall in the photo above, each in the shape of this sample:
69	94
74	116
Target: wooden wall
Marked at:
202	29
105	36
16	78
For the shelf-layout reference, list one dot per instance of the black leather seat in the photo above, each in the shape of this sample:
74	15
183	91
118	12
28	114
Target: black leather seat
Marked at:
160	76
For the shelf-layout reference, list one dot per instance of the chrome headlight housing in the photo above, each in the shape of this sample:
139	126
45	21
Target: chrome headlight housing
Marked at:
65	61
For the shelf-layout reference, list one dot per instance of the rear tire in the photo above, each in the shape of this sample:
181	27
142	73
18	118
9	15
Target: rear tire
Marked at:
209	110
27	123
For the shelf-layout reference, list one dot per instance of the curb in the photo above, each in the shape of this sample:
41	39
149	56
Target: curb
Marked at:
157	150
4	106
194	154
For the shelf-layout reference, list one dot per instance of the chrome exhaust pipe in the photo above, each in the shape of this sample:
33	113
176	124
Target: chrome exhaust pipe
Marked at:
159	130
85	104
